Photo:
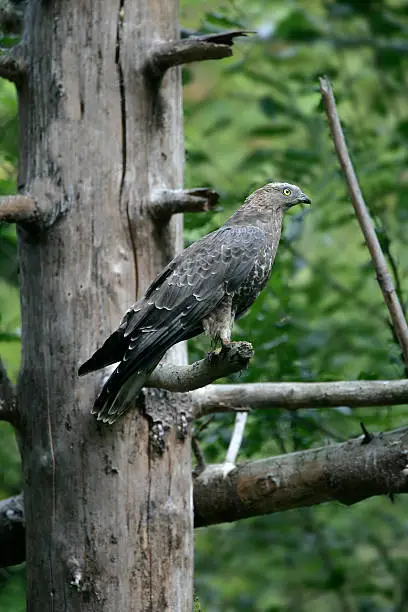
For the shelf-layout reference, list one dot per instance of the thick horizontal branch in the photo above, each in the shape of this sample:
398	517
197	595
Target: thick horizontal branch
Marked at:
167	202
194	49
218	364
12	538
12	65
292	396
348	473
373	244
7	397
17	209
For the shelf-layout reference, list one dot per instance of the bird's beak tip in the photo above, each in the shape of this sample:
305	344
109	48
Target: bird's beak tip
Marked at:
304	199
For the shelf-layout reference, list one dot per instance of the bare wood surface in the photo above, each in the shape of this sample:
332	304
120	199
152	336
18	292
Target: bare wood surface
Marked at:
167	202
193	49
7	397
348	473
229	360
108	509
292	396
373	244
17	209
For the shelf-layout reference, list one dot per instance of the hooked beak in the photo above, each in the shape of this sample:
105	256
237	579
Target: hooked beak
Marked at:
303	199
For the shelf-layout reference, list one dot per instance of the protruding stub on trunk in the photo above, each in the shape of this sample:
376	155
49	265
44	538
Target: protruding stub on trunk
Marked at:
167	202
193	49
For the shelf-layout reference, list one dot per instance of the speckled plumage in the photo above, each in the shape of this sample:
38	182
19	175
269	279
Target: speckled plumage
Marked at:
206	287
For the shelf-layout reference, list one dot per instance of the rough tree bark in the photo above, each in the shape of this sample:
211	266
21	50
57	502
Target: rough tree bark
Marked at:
108	510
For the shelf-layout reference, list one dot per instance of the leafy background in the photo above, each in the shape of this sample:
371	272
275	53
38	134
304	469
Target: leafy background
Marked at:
249	119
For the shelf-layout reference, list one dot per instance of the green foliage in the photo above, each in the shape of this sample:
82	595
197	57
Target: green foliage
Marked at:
256	117
249	119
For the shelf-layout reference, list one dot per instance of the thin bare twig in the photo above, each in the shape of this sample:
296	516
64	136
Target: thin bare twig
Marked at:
237	437
383	275
292	396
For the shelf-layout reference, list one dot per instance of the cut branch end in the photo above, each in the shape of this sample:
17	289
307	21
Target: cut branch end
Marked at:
168	202
194	49
18	209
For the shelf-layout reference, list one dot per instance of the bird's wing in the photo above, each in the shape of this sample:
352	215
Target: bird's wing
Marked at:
181	296
195	282
186	292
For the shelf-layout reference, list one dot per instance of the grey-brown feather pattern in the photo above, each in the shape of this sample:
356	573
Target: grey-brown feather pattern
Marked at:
233	261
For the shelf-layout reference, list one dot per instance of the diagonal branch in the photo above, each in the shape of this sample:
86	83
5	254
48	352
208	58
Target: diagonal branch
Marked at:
7	397
383	275
17	209
193	49
348	473
236	438
292	396
228	360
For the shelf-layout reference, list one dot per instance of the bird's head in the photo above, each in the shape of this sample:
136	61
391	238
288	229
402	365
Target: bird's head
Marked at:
278	197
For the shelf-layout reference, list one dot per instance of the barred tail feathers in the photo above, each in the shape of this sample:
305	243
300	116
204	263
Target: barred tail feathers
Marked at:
120	391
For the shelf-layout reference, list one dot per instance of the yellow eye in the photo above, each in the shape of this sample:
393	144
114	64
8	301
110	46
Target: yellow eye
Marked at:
287	192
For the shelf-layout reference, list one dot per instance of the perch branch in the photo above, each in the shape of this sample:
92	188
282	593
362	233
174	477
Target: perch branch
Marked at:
292	396
347	472
218	364
12	539
7	397
194	49
167	202
12	64
383	275
18	208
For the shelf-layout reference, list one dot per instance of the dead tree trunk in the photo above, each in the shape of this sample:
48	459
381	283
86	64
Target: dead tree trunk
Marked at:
108	510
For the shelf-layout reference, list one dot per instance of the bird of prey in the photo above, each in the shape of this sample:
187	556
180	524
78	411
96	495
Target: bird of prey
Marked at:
204	289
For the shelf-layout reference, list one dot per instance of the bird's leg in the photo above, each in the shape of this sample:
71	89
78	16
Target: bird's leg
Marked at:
218	325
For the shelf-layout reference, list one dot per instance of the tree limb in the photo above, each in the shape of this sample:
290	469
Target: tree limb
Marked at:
228	360
12	64
167	202
17	209
12	537
292	396
348	473
383	275
193	49
7	397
